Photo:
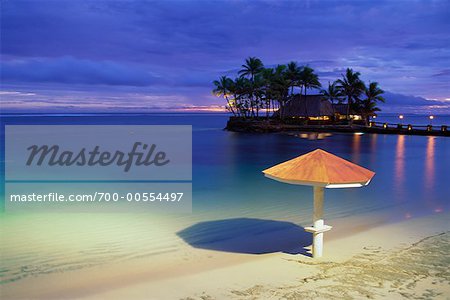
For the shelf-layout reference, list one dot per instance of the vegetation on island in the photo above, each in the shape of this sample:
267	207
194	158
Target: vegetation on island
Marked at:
259	89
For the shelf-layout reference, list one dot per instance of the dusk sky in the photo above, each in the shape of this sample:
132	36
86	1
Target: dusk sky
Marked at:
94	55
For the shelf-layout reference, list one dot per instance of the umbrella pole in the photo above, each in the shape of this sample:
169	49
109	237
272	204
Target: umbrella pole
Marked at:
317	249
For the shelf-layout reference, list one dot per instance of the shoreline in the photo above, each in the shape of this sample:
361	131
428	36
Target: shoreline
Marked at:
272	126
197	271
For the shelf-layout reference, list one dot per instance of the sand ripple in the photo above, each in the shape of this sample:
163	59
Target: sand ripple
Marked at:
419	271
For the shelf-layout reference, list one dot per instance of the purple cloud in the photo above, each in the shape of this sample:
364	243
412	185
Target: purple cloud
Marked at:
176	48
68	70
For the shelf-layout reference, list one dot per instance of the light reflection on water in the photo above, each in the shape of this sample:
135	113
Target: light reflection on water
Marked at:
356	148
400	165
312	136
429	164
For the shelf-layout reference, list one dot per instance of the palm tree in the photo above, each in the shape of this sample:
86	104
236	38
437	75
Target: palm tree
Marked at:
367	107
293	72
223	89
332	93
241	92
309	80
251	68
267	77
351	87
280	85
258	93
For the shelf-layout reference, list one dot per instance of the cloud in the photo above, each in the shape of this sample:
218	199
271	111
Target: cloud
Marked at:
445	73
119	98
69	70
398	103
177	48
15	93
399	100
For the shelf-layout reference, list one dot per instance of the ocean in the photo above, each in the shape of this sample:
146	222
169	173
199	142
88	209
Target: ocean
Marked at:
412	180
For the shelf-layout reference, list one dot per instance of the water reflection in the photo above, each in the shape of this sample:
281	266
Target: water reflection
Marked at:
400	164
314	135
373	147
356	148
429	164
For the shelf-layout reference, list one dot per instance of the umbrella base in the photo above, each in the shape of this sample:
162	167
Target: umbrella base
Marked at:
317	247
318	230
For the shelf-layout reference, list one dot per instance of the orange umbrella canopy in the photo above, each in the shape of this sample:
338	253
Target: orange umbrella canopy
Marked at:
320	168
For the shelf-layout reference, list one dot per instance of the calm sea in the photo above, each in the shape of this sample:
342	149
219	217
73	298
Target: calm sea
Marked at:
412	179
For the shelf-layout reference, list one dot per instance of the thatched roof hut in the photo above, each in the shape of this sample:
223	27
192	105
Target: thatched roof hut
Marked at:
340	108
309	106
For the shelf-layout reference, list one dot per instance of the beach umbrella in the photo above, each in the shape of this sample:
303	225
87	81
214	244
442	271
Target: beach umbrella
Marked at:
320	169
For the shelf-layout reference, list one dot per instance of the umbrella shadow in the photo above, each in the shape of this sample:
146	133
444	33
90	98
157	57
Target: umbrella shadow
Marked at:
247	235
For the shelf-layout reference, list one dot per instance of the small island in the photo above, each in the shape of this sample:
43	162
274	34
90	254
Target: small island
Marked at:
290	97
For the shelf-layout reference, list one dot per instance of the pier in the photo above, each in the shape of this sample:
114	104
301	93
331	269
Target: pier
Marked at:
275	125
410	129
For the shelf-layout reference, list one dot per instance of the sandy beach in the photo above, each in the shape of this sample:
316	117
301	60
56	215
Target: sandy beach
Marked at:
363	259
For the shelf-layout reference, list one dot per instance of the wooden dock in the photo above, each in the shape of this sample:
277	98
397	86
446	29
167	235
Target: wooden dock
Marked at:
408	129
374	127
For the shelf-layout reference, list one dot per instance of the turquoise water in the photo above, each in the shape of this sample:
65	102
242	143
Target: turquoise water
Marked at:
412	176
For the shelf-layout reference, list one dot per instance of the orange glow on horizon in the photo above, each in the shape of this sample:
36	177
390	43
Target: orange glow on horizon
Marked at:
203	109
